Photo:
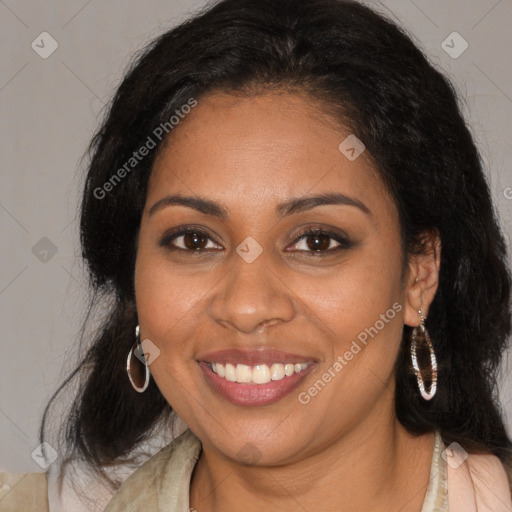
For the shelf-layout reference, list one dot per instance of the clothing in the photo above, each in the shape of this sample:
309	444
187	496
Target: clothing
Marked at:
25	492
162	483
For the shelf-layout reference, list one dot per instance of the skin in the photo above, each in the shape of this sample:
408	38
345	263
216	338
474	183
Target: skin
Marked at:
345	449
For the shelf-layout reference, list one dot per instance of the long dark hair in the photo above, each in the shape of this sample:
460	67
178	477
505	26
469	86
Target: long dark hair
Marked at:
367	72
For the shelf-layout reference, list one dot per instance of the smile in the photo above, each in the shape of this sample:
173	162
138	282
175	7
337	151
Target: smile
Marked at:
254	377
259	374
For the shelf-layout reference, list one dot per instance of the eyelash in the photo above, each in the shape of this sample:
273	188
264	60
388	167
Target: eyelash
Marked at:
344	242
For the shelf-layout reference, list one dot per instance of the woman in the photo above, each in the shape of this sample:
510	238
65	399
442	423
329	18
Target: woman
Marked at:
291	217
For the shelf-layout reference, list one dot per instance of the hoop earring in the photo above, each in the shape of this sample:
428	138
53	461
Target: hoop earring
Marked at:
138	348
427	395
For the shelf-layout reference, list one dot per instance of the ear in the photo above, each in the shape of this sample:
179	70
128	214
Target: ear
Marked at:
422	278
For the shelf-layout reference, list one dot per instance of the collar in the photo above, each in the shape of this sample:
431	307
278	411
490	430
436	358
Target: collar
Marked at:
436	497
150	486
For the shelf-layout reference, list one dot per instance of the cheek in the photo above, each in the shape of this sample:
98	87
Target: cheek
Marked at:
360	313
166	299
166	303
353	297
359	309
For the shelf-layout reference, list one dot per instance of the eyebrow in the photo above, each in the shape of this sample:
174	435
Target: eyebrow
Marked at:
289	207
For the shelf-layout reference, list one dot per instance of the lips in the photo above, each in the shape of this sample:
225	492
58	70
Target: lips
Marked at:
253	357
258	392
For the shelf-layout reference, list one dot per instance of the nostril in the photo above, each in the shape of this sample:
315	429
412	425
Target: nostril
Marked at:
267	323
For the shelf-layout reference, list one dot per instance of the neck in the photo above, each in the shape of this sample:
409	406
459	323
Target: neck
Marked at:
376	466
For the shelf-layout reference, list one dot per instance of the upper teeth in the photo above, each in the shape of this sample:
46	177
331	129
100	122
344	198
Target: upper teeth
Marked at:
259	374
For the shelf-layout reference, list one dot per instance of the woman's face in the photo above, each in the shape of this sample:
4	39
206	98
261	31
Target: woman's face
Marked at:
305	328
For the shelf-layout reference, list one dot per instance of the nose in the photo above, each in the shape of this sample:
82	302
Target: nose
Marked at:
252	296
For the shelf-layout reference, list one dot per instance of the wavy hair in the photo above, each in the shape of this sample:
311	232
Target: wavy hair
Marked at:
367	72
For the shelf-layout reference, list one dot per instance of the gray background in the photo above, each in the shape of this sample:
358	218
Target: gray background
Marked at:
50	108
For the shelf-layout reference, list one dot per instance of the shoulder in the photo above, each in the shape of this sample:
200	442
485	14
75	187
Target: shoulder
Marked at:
479	483
491	482
163	478
23	491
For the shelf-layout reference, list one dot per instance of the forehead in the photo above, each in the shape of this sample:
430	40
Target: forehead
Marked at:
253	150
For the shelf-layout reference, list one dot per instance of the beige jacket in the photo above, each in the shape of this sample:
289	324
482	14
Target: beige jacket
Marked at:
476	484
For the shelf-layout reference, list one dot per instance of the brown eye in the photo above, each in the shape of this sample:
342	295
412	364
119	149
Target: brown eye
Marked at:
189	239
319	242
194	240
